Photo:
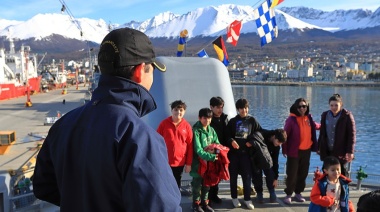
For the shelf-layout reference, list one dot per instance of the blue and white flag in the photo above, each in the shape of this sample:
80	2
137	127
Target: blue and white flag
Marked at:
264	17
202	53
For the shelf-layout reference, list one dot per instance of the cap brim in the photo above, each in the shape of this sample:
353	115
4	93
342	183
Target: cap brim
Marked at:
159	66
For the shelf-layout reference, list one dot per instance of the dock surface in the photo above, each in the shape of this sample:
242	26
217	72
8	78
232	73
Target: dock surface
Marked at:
226	204
28	122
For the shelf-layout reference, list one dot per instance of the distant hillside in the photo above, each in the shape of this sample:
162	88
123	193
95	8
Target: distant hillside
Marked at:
289	43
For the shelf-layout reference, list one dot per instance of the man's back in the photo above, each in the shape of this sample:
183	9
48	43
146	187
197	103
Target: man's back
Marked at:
105	158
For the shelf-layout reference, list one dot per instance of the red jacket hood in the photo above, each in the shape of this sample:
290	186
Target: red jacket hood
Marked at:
348	180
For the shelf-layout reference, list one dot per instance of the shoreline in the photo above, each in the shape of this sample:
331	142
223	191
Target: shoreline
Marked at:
340	83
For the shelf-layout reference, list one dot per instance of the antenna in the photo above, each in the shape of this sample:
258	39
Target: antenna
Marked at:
66	8
72	18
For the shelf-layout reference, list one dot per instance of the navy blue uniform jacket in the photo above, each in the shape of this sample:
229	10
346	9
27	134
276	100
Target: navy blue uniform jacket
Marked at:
103	157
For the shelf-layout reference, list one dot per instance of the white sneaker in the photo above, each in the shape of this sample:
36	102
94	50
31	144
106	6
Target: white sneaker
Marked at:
249	204
236	203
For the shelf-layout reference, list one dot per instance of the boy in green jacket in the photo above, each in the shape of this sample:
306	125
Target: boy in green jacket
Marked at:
203	136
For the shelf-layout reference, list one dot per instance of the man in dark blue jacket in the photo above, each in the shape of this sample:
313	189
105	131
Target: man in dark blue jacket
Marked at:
102	156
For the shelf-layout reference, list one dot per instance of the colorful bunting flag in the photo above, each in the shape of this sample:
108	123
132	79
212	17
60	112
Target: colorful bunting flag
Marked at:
264	17
202	53
275	3
221	50
233	32
181	43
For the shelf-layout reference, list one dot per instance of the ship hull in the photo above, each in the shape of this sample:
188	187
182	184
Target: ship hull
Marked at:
10	90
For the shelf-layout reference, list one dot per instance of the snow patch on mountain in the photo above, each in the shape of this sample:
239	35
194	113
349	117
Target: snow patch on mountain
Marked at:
207	21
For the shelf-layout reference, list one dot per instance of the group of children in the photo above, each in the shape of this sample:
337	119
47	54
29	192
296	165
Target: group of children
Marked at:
189	150
189	146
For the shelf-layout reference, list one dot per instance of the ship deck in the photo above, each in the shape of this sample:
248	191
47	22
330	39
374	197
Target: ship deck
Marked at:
28	123
226	204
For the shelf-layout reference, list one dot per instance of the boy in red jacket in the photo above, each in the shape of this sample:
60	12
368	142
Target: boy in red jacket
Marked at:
178	136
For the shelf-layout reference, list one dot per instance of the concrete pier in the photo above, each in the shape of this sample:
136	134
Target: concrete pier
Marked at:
28	122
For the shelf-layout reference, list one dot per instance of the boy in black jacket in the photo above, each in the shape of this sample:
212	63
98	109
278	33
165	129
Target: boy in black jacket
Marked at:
273	140
219	123
240	128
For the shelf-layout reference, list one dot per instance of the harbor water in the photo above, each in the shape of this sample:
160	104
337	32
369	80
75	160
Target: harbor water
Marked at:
270	105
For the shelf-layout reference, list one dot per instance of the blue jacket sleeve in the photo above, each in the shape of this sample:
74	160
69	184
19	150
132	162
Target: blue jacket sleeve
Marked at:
148	182
45	185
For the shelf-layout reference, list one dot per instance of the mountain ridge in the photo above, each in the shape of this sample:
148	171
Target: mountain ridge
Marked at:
206	21
61	36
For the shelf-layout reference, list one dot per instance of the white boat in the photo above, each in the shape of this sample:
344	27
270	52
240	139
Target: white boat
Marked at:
18	72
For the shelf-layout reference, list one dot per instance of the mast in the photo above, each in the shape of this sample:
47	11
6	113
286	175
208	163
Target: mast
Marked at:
26	50
11	46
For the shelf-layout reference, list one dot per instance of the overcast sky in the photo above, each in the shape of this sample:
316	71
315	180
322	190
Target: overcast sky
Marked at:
123	11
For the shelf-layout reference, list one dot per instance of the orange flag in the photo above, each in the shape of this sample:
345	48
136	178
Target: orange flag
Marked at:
275	3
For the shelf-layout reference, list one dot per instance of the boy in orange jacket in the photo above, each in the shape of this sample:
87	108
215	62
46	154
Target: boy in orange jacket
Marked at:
330	192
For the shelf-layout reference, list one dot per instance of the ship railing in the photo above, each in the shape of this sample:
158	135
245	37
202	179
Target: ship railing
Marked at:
372	181
224	186
25	202
28	202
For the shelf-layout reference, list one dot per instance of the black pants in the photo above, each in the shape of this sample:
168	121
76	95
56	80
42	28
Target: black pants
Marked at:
177	172
297	170
213	191
257	179
240	163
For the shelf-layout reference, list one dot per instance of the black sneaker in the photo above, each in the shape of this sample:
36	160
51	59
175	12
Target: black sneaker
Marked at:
273	197
197	208
207	208
260	198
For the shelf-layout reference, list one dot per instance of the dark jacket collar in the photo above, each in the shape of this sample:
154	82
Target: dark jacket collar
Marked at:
121	91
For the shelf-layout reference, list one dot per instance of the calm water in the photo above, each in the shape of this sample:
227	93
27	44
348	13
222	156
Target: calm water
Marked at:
270	105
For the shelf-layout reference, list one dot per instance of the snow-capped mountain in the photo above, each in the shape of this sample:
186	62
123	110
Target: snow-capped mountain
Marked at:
207	21
43	25
336	20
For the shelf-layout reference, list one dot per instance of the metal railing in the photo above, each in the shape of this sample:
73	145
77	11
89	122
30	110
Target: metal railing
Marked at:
28	202
25	202
371	181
